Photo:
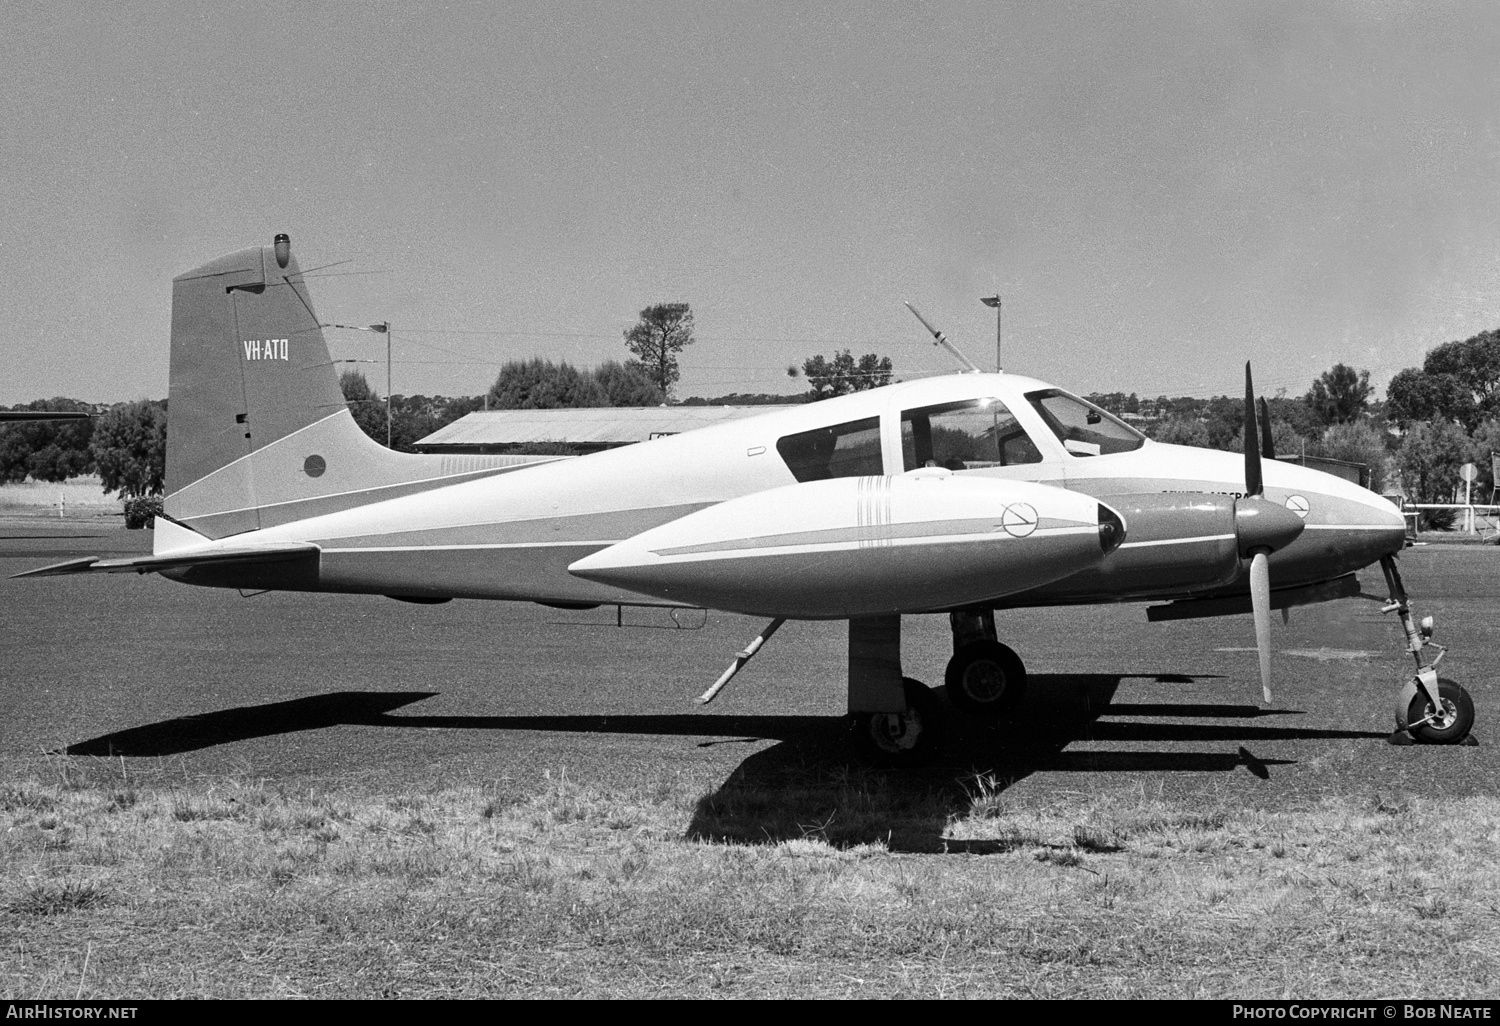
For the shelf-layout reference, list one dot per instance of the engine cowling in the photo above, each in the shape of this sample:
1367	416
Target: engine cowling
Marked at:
864	546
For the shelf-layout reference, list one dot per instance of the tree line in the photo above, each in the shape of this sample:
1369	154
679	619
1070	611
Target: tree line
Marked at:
1335	419
1433	419
124	443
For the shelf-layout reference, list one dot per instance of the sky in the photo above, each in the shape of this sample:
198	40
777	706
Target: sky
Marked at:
1158	191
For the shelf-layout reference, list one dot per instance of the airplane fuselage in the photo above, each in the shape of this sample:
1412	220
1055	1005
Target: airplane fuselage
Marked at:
514	536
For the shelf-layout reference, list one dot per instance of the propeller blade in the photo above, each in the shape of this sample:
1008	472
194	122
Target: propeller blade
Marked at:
1253	483
1260	601
1267	446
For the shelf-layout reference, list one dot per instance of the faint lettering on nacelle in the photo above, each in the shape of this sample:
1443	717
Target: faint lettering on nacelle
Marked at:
266	349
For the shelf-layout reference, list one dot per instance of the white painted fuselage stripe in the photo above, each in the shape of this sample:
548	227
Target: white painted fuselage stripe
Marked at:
1178	541
1352	527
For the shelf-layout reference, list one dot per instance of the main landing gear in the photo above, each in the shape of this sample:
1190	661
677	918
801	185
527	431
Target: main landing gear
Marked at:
910	737
985	679
896	721
1429	709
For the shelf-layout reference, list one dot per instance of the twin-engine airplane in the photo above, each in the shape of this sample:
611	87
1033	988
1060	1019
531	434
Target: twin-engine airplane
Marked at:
957	495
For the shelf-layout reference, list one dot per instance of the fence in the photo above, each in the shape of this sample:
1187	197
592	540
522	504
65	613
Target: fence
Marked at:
1473	514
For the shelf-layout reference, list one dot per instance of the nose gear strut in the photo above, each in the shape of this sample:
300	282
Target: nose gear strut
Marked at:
1429	708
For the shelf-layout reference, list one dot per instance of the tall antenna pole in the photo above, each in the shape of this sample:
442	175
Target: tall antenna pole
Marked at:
387	326
994	301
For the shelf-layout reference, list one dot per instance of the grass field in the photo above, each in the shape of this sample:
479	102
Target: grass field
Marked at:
345	796
124	881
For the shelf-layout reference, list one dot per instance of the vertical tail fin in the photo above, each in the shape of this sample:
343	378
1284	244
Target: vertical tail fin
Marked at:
244	341
258	432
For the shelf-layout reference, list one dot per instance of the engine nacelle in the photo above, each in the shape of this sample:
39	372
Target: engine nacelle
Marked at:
864	546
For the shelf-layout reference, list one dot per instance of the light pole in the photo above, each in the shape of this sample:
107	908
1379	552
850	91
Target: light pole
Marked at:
994	301
384	327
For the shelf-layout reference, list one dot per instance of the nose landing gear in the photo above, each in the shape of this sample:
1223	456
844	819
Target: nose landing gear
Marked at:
1429	709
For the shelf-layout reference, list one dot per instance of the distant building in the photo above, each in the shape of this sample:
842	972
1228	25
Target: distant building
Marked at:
584	430
1359	473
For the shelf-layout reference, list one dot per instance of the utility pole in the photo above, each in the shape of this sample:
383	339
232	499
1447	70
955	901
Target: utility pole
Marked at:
994	301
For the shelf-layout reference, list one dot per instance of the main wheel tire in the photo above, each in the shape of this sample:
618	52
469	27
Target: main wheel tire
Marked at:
985	679
1455	722
900	740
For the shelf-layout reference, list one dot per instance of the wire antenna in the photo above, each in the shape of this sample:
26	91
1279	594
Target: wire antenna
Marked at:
942	340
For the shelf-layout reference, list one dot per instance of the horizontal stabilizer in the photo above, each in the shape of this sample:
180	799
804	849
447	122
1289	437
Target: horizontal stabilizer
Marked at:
1188	609
72	566
218	555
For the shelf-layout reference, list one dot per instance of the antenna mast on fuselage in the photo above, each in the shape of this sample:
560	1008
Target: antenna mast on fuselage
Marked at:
942	340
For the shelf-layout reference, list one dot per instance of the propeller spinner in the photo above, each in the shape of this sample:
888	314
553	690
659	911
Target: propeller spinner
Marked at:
1262	528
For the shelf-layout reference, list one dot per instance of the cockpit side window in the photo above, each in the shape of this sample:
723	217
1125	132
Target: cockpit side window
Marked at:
843	450
1083	428
964	436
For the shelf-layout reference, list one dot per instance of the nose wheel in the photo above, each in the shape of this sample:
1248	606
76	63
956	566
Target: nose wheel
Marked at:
1446	722
1430	709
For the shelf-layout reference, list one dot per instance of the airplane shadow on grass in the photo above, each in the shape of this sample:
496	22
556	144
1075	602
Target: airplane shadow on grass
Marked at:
808	784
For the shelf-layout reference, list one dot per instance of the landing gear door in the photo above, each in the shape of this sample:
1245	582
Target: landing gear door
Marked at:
972	435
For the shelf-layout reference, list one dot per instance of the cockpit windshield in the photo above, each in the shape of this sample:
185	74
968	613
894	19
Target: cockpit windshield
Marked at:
1083	428
965	435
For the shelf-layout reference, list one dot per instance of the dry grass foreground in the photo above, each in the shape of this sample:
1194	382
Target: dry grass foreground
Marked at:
124	882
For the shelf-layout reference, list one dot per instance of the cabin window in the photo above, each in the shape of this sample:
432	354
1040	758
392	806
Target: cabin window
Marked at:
843	450
1083	428
965	436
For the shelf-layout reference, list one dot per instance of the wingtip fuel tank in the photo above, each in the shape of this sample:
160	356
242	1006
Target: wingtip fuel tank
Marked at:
865	546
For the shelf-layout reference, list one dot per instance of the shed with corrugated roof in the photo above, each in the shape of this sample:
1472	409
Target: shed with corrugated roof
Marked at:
582	430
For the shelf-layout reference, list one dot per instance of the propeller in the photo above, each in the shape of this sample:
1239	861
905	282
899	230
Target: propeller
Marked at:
1268	451
1262	526
1260	602
1267	445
